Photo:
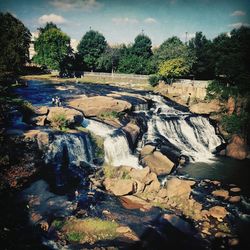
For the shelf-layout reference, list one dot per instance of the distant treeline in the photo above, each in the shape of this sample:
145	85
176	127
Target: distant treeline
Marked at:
226	56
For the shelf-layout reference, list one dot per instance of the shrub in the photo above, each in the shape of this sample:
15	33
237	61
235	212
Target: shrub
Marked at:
235	123
154	80
59	121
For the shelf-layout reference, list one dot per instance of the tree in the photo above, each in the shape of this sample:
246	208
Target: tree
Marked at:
52	47
203	67
91	47
174	68
109	60
142	46
14	43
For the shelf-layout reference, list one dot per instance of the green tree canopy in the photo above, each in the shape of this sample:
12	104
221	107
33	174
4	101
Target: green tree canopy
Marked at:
174	68
142	46
52	47
14	43
203	67
91	47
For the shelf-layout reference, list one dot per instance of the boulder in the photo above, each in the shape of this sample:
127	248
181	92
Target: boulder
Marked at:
179	188
133	131
221	193
42	140
119	187
134	202
234	199
72	116
158	163
206	107
97	105
237	148
139	174
218	212
147	150
38	120
43	110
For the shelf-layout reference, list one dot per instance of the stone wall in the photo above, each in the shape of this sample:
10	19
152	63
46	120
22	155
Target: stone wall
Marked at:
184	90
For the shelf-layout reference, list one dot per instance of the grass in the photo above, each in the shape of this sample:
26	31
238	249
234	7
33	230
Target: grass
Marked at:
126	82
58	224
59	121
89	230
109	115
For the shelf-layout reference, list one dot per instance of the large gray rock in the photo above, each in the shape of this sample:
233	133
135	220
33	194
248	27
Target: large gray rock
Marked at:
97	105
72	116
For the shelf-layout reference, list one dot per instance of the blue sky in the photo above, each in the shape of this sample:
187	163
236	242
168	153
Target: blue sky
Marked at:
121	20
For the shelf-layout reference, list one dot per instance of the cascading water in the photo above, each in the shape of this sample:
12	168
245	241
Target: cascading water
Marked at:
193	135
116	146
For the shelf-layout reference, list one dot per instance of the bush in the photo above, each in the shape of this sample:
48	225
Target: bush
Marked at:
154	80
236	123
59	121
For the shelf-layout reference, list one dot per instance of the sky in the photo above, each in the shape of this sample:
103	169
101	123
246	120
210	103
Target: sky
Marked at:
120	21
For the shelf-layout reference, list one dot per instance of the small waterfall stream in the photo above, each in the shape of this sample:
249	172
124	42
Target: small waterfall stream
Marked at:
193	135
116	147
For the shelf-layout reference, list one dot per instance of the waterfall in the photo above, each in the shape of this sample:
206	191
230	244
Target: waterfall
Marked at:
116	147
78	149
193	135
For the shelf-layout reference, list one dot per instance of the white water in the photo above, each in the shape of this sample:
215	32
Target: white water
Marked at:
194	136
78	149
116	148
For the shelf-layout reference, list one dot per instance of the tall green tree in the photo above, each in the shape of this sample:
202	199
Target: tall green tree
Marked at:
203	67
91	47
14	43
52	47
142	46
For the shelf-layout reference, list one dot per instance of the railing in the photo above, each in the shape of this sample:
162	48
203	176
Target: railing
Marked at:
117	75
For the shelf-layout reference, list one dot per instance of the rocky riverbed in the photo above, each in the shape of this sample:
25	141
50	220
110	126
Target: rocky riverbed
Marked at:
103	172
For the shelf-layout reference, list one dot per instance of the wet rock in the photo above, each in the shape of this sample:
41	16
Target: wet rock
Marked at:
233	242
237	148
206	107
119	187
158	163
134	202
179	223
218	212
179	188
147	150
43	110
234	199
42	140
97	105
72	116
132	131
221	193
235	189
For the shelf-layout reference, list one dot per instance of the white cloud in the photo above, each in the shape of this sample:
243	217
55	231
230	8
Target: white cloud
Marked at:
51	18
124	20
85	5
238	25
238	13
150	20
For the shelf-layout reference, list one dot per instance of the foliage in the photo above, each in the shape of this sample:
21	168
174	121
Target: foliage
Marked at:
236	123
58	224
174	68
59	121
52	47
109	60
109	171
173	48
154	80
218	90
14	44
109	115
202	50
89	230
142	46
91	47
